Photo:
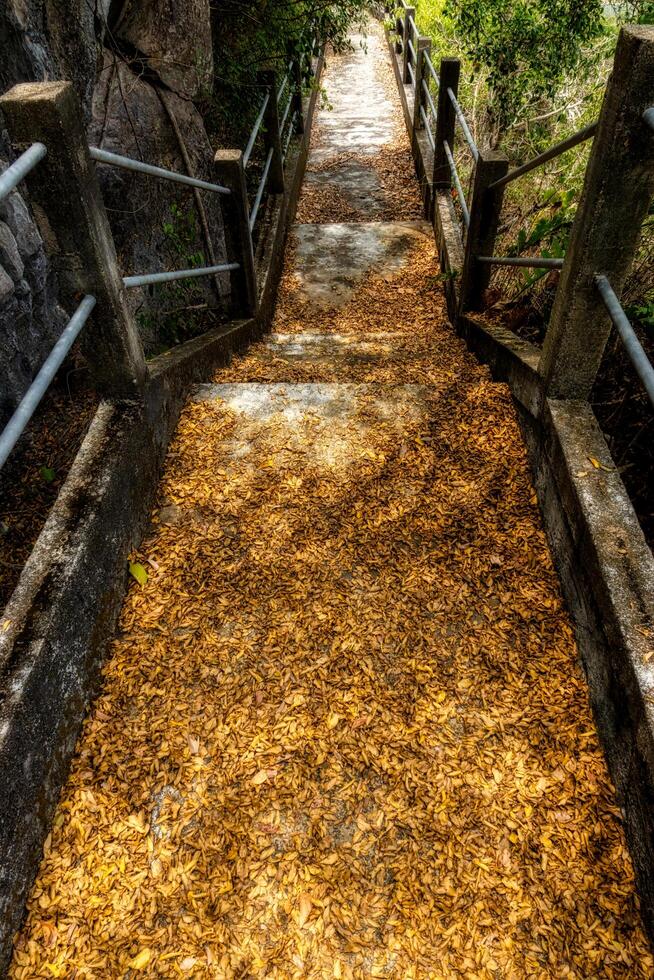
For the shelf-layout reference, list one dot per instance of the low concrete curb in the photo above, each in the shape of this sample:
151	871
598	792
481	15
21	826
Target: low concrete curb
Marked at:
56	628
605	566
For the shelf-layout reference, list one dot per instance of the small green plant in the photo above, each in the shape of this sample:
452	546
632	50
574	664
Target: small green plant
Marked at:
179	303
48	474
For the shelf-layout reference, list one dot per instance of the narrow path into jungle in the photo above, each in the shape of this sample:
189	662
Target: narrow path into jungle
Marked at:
343	731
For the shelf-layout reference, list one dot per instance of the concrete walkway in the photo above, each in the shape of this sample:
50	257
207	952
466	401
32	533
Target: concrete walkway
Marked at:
343	731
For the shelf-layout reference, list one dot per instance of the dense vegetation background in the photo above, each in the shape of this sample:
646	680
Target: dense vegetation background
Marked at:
534	72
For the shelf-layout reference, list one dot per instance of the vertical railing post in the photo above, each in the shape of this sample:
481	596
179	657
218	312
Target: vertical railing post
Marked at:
271	135
445	120
409	15
65	192
484	221
423	47
296	88
618	189
230	172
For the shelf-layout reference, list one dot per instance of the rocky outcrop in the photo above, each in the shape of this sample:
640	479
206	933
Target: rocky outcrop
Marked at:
157	225
30	317
136	65
174	38
50	39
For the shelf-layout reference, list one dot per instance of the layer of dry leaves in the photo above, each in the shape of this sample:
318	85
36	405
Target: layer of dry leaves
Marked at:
343	731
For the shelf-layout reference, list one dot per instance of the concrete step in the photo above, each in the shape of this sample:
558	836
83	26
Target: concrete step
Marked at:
331	260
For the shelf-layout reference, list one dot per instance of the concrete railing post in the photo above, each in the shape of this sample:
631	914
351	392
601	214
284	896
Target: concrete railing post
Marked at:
271	135
485	210
409	15
69	207
617	192
445	120
230	172
423	47
398	32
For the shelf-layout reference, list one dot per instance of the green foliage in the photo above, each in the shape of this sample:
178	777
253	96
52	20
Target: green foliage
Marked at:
47	474
524	47
251	35
178	319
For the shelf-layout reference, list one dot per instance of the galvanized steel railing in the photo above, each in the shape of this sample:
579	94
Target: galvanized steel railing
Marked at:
419	70
626	332
15	427
25	163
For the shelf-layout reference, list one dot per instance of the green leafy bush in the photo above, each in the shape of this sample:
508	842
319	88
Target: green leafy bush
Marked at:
524	47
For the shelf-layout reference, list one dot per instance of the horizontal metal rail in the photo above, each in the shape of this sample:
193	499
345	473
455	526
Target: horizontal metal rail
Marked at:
413	26
463	124
412	50
425	89
286	112
430	137
282	88
151	278
648	117
30	401
411	73
260	189
457	184
127	163
289	135
632	344
432	70
19	169
255	130
554	151
523	262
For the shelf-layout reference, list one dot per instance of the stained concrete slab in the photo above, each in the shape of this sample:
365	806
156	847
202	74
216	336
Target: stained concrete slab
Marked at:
359	184
332	425
333	259
361	120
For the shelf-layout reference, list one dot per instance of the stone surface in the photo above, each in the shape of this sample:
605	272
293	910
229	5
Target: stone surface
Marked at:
175	40
46	39
9	255
30	316
130	118
361	125
334	258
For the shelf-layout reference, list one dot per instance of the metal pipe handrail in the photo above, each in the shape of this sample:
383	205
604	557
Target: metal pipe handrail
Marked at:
255	129
30	400
128	163
521	262
286	112
554	151
411	73
19	169
632	344
463	124
282	87
151	278
427	127
430	65
413	26
457	184
289	135
648	117
411	49
429	98
260	189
